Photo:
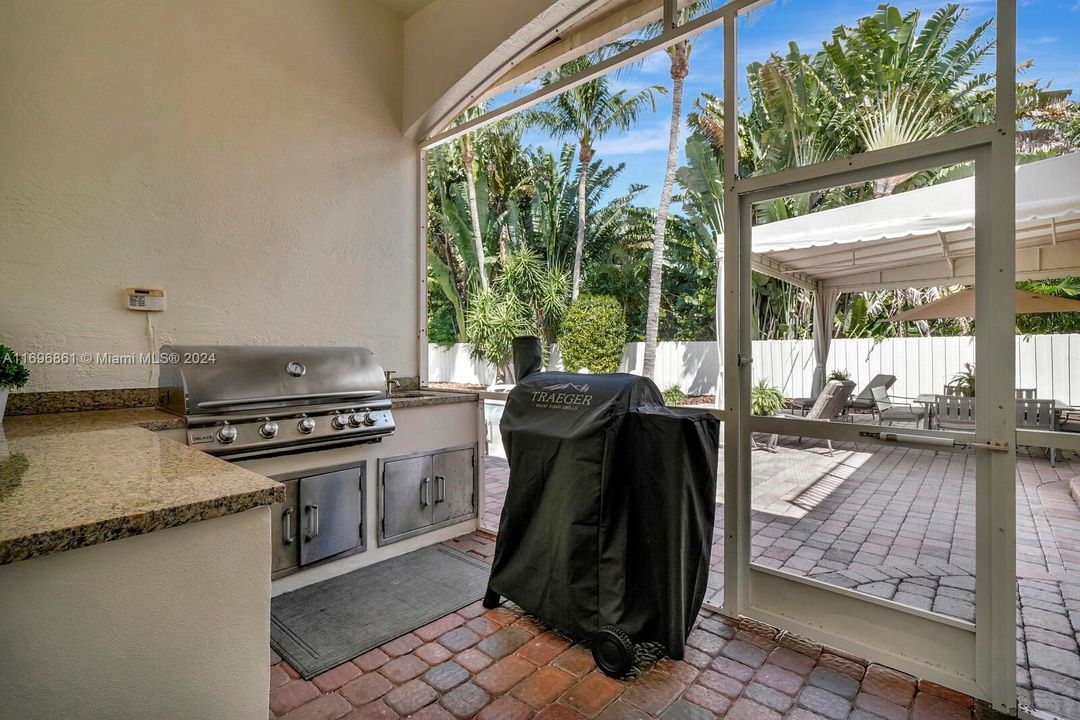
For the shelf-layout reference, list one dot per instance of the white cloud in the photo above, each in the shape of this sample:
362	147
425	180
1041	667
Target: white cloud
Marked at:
639	140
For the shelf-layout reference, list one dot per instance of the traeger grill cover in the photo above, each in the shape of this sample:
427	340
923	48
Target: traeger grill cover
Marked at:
609	512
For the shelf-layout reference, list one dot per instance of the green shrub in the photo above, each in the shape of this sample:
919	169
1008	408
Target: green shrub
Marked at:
765	399
13	374
674	395
839	375
593	335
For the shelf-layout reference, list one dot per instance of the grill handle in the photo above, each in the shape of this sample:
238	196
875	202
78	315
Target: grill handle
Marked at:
290	398
286	526
313	522
425	492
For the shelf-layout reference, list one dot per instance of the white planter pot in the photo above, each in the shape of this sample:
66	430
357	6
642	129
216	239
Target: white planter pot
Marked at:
3	402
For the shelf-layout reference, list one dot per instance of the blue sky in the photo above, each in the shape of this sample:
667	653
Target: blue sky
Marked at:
1048	33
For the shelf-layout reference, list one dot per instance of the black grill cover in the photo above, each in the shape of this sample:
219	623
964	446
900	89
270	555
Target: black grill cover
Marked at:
610	506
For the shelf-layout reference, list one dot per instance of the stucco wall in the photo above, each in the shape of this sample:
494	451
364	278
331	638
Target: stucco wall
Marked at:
246	156
173	624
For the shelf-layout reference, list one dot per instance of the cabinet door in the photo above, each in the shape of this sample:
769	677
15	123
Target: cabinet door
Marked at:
285	525
330	514
453	474
407	495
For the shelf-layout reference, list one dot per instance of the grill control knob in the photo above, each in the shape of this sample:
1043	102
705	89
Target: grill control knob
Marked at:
368	421
356	420
269	429
306	426
226	434
340	422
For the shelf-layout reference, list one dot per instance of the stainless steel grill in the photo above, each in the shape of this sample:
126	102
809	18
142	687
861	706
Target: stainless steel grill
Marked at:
244	401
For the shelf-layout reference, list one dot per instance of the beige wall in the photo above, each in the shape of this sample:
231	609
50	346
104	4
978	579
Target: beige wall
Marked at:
173	624
246	156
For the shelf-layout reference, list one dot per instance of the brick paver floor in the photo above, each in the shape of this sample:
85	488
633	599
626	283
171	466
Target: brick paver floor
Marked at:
513	667
898	523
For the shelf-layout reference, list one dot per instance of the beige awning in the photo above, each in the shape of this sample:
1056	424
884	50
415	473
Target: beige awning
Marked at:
962	304
926	237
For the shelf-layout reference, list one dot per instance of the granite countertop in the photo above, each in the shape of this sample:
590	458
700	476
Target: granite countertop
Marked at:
76	479
89	420
427	398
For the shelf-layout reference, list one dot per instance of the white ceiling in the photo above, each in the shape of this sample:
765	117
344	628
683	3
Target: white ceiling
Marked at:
403	8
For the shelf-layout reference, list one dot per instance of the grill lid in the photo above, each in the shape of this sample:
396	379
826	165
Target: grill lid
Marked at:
210	379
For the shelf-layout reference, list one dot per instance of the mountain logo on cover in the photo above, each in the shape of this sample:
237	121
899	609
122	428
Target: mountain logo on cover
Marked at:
562	396
568	386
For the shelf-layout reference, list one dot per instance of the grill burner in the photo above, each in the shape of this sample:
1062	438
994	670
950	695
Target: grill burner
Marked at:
246	401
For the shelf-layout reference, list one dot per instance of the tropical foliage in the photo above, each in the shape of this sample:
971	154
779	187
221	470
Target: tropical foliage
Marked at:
516	232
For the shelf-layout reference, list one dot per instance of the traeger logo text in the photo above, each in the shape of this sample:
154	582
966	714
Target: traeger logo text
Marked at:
553	396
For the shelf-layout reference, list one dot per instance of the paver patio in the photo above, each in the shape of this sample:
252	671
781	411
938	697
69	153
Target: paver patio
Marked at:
743	671
898	523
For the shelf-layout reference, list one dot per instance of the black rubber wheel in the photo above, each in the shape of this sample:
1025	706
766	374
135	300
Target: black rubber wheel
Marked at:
613	651
491	600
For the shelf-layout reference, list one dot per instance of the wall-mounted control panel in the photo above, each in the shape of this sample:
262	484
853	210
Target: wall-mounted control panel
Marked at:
144	299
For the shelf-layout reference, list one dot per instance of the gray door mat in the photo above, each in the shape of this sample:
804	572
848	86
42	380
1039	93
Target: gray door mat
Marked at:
320	626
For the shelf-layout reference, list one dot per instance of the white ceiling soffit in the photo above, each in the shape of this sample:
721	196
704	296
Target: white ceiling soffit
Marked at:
609	22
455	50
926	236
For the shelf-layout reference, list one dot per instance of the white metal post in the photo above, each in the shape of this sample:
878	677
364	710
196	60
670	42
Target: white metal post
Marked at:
736	431
421	270
995	308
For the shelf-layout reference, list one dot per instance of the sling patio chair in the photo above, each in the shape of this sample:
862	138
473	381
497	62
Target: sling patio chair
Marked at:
831	404
888	411
863	401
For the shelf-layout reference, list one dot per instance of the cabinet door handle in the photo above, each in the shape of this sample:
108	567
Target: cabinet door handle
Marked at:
425	492
287	536
440	488
313	522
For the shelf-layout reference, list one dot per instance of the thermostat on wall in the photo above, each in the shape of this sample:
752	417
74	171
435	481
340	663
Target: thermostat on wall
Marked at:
145	299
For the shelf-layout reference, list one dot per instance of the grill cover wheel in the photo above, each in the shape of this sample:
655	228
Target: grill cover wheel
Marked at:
613	651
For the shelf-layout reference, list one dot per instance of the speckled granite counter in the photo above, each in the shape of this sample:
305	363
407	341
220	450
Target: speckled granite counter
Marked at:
90	420
427	398
70	480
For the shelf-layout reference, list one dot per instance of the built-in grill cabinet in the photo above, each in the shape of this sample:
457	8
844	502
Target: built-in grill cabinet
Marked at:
421	492
322	517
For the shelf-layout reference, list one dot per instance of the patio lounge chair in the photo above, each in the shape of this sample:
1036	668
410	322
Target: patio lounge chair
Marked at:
1038	415
863	401
831	403
954	412
889	412
866	399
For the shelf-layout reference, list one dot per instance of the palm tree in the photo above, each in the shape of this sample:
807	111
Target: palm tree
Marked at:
468	157
679	56
587	112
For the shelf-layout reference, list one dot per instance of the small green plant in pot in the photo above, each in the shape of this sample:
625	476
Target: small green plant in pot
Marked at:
839	375
13	374
964	381
765	399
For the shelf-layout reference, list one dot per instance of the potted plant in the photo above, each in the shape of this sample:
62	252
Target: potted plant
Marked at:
964	381
765	400
13	374
839	375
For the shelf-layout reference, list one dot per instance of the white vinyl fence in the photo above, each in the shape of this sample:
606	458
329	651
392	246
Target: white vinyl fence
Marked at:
1048	363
